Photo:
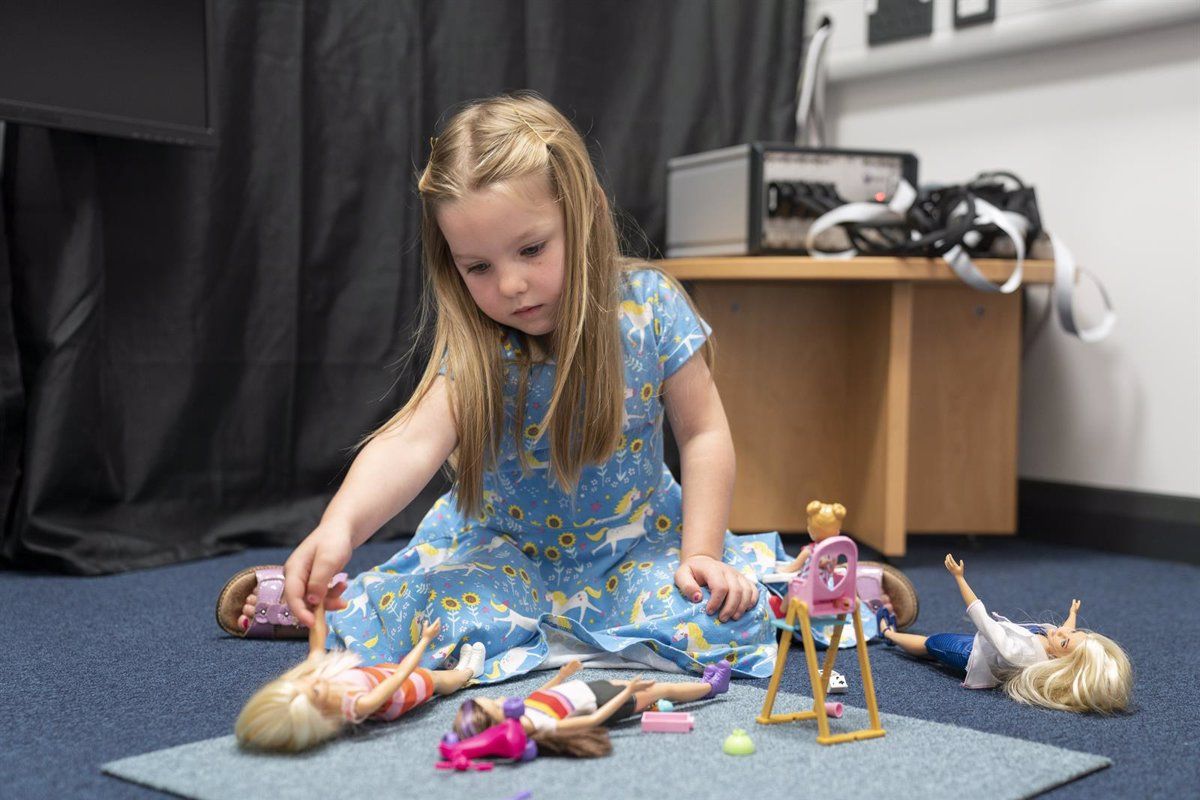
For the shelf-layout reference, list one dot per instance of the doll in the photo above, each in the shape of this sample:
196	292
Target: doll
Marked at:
883	590
315	700
1059	667
824	522
564	716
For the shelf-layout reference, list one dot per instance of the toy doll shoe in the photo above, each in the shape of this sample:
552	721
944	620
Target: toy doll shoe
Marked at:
876	578
718	679
885	620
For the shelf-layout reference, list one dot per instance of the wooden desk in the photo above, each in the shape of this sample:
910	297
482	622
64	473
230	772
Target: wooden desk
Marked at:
884	384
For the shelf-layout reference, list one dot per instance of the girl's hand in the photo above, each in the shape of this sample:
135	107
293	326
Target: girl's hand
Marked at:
953	567
333	598
311	566
1074	606
430	630
731	592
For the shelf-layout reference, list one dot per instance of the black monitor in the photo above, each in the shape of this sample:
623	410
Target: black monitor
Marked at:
135	68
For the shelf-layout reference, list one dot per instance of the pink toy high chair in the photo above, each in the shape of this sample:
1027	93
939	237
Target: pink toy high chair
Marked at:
827	587
825	590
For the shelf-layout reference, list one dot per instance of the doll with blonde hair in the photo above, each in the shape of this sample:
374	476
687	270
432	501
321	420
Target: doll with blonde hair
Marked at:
553	362
330	690
1059	667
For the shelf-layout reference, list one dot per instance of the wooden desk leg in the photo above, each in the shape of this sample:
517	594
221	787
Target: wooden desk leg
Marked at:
815	382
877	442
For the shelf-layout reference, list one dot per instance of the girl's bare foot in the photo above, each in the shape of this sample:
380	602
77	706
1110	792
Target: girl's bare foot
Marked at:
247	612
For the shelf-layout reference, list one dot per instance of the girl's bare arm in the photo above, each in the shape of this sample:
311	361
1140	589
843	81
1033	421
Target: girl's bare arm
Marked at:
708	465
395	466
385	477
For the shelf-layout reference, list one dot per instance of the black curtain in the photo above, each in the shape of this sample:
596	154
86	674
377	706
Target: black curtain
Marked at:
191	340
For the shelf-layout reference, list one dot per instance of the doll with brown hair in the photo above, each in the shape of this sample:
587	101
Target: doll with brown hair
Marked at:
329	690
1059	667
565	716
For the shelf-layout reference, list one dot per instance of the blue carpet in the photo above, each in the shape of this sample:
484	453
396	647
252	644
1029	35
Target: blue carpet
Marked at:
101	669
916	760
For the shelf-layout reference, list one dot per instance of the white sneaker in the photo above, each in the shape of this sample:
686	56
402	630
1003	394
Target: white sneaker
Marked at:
471	658
837	683
480	657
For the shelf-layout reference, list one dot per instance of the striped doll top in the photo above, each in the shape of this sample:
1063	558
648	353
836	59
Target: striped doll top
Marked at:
545	708
416	689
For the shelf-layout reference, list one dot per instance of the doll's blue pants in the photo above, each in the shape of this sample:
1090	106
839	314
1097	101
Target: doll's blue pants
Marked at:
951	649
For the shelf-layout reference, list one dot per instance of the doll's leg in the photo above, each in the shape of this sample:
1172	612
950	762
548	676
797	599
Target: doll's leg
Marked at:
470	665
675	692
911	643
449	681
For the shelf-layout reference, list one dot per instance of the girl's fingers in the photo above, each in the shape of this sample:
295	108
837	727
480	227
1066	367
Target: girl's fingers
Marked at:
688	586
745	597
718	589
295	581
733	601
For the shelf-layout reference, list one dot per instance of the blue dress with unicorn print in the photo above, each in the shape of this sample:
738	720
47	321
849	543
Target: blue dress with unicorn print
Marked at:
595	570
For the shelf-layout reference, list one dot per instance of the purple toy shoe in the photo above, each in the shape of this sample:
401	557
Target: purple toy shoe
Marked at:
718	679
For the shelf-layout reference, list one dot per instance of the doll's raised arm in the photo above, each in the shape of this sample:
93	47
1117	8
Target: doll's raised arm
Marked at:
319	631
371	701
797	564
601	715
1069	625
565	671
956	568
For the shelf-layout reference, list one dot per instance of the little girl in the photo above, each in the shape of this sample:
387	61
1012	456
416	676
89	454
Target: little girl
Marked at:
1055	667
314	701
554	361
564	716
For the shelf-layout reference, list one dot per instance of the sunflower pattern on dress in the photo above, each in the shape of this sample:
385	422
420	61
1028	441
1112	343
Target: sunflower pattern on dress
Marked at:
597	565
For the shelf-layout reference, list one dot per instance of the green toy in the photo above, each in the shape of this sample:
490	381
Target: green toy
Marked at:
738	744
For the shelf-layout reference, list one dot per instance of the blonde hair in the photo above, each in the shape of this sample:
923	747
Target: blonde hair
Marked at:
486	143
1095	677
282	716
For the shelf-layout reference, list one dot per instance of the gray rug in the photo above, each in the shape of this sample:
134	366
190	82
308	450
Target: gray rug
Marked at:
916	759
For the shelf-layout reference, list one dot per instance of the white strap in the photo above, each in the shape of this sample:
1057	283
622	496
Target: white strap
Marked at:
861	212
1065	272
811	87
1014	226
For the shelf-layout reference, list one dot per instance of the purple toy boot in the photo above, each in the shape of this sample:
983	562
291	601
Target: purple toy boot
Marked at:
717	676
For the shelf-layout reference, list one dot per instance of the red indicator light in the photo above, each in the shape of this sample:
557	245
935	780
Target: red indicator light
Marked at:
880	197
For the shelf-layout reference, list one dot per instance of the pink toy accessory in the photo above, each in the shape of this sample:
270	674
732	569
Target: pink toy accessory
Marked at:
506	740
826	590
828	586
667	722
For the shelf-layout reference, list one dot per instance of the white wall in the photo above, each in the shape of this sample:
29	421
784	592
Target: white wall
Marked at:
1108	131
